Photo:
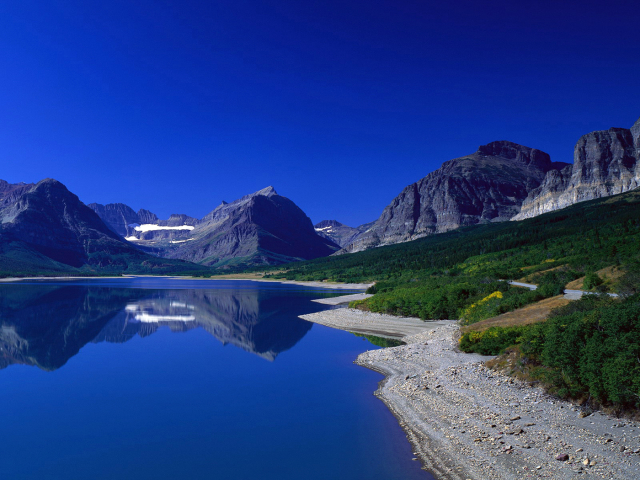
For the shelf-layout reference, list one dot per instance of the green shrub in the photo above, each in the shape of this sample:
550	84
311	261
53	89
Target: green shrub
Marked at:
492	341
591	280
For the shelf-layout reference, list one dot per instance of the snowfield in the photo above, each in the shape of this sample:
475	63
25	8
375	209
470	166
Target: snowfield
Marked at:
149	227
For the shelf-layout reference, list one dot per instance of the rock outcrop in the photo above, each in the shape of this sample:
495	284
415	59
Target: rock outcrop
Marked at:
9	192
120	217
604	163
487	186
339	233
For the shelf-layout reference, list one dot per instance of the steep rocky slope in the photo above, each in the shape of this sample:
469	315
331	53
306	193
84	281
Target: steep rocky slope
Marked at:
263	228
339	233
46	227
260	228
119	216
604	163
486	186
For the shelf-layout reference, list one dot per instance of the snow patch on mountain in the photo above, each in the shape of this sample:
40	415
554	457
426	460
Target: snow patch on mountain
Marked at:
149	227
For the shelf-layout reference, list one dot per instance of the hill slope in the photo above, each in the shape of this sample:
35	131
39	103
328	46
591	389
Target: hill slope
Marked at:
453	270
46	228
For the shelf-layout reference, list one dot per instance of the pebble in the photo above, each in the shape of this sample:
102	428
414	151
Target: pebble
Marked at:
486	404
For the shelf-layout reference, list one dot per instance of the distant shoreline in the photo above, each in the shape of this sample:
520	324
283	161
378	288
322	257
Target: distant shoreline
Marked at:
334	286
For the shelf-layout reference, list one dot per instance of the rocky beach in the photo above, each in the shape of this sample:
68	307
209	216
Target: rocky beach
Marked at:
466	421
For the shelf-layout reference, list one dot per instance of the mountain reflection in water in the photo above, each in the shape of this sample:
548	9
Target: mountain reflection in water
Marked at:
46	325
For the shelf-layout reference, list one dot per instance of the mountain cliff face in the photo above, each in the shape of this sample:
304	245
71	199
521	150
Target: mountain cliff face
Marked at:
117	216
487	186
339	233
263	228
45	226
54	222
604	163
9	192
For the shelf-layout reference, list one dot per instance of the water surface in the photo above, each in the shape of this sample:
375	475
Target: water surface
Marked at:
166	379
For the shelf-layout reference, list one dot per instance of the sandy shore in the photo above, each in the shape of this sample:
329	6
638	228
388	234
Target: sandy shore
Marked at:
468	422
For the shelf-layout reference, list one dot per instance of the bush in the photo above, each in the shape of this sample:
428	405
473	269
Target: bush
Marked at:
591	280
492	341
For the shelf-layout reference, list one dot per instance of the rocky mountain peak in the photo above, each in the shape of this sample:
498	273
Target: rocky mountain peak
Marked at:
145	216
605	162
514	151
10	191
266	192
118	216
328	223
260	228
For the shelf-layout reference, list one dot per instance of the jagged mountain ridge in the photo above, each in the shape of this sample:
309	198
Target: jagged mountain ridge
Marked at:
262	228
119	216
486	186
605	163
339	233
45	226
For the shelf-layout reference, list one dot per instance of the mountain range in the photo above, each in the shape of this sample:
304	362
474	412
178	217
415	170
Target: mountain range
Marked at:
262	228
46	228
506	181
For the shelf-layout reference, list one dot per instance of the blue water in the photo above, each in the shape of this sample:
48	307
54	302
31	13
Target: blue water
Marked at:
167	379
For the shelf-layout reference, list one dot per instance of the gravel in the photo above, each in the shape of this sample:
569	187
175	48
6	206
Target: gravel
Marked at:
466	421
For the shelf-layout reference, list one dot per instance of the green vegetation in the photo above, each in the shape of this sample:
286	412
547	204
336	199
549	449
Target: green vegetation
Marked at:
589	348
492	341
443	276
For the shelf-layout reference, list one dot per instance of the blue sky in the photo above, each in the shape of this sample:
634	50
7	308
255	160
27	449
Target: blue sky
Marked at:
174	106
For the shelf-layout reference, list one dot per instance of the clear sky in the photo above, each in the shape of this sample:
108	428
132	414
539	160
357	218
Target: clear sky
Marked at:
174	106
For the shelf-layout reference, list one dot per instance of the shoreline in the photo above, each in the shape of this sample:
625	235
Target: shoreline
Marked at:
334	286
466	421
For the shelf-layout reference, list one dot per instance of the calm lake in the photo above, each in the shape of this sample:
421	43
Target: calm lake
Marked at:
178	379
